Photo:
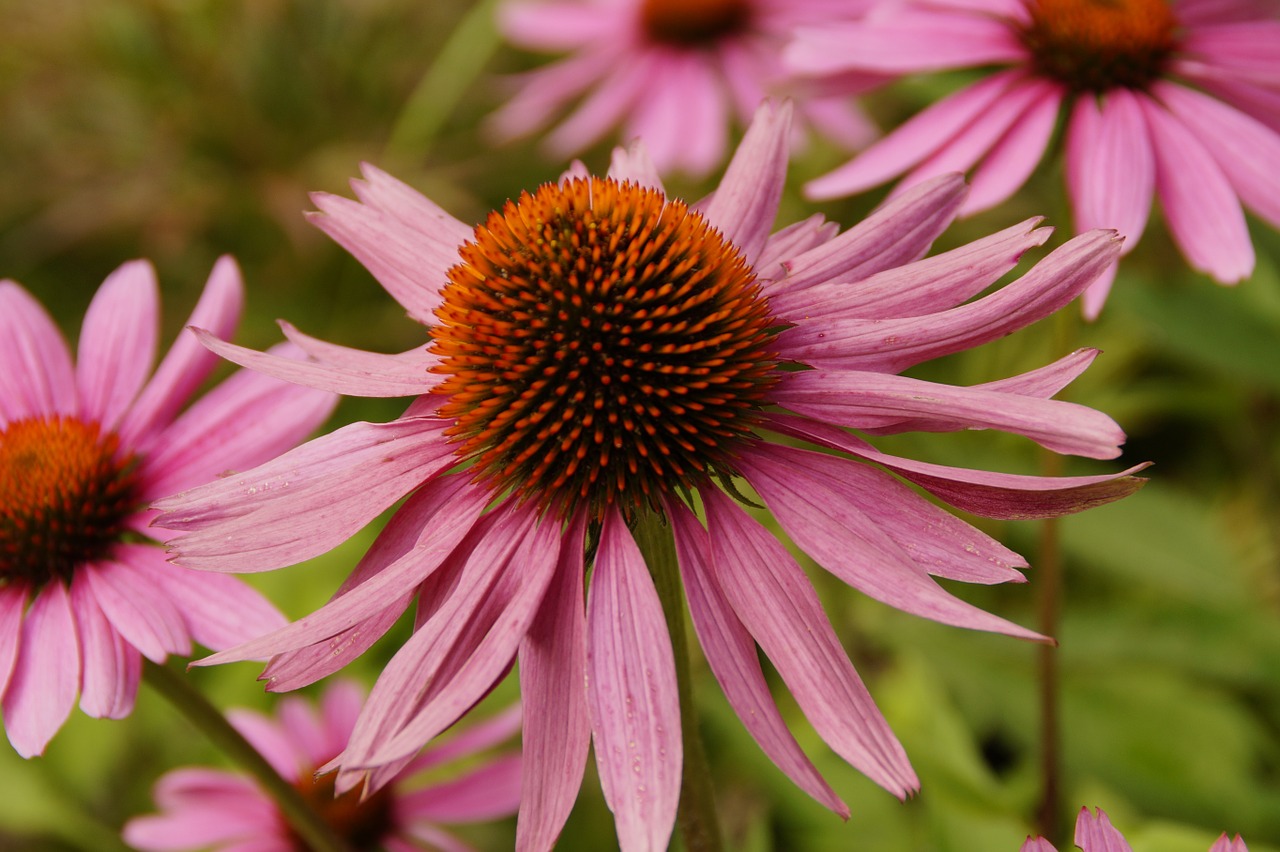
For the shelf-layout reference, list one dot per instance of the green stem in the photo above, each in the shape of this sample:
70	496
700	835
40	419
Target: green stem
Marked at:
456	65
177	690
697	815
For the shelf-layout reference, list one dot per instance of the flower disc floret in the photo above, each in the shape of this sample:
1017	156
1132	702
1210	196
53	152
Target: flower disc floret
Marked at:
693	22
65	491
1097	45
601	344
363	822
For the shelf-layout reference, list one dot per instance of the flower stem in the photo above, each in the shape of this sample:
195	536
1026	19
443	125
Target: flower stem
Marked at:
697	815
188	701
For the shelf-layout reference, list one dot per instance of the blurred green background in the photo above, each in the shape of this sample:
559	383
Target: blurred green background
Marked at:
179	130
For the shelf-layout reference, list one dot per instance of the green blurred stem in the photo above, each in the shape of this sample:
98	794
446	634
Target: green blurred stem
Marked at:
188	701
456	66
697	815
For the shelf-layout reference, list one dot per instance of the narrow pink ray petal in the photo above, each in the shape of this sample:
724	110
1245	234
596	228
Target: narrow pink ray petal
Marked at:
194	786
373	365
489	792
111	667
219	611
1228	844
1246	150
1110	165
542	93
897	232
822	514
731	654
1037	844
1246	48
36	375
1005	496
433	836
150	622
923	287
556	27
362	374
915	139
903	41
683	120
932	537
475	737
1097	834
1201	208
746	202
553	686
1011	160
412	209
13	605
302	725
634	164
390	572
1260	102
780	608
893	345
1200	13
631	677
199	827
615	93
308	500
865	399
339	708
1095	295
793	241
270	741
117	346
187	363
245	421
42	689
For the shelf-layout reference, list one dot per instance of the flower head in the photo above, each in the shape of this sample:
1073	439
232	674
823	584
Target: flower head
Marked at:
604	358
1177	99
220	810
84	447
671	72
1097	834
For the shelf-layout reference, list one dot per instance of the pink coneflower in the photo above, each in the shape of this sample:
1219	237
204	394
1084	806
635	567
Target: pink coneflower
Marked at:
1097	834
603	356
225	811
671	72
84	447
1180	99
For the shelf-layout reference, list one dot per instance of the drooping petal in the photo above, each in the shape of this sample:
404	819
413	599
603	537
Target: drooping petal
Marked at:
13	605
1097	834
731	654
149	620
46	676
780	608
746	203
187	363
308	500
300	723
1013	158
269	740
111	667
118	342
489	792
631	693
818	501
683	117
36	376
475	737
219	611
553	686
1110	165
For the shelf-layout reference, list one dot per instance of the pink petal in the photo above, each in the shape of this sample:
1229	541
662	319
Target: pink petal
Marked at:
1096	834
746	203
992	495
36	376
1228	844
339	707
634	164
792	241
1110	165
187	363
1095	295
631	677
1015	156
118	342
1201	208
553	683
556	27
465	743
780	608
542	93
904	41
307	501
219	611
1037	844
618	88
42	689
490	792
819	505
1245	48
111	667
137	609
895	233
302	725
892	345
731	653
13	605
411	209
271	741
683	119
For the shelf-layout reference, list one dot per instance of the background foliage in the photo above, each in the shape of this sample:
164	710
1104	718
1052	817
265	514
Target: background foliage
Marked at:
179	130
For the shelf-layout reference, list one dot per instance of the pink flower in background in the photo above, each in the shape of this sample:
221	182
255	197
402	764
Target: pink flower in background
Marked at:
1179	100
225	811
671	72
1097	834
604	356
84	447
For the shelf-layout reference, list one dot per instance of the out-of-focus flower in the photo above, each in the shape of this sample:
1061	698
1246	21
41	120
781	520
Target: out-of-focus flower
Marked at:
1177	99
1097	834
225	811
84	447
671	72
605	356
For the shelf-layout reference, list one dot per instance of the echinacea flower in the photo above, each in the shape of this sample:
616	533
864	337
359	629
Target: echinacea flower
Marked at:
1175	98
672	72
603	355
224	811
1097	834
84	447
